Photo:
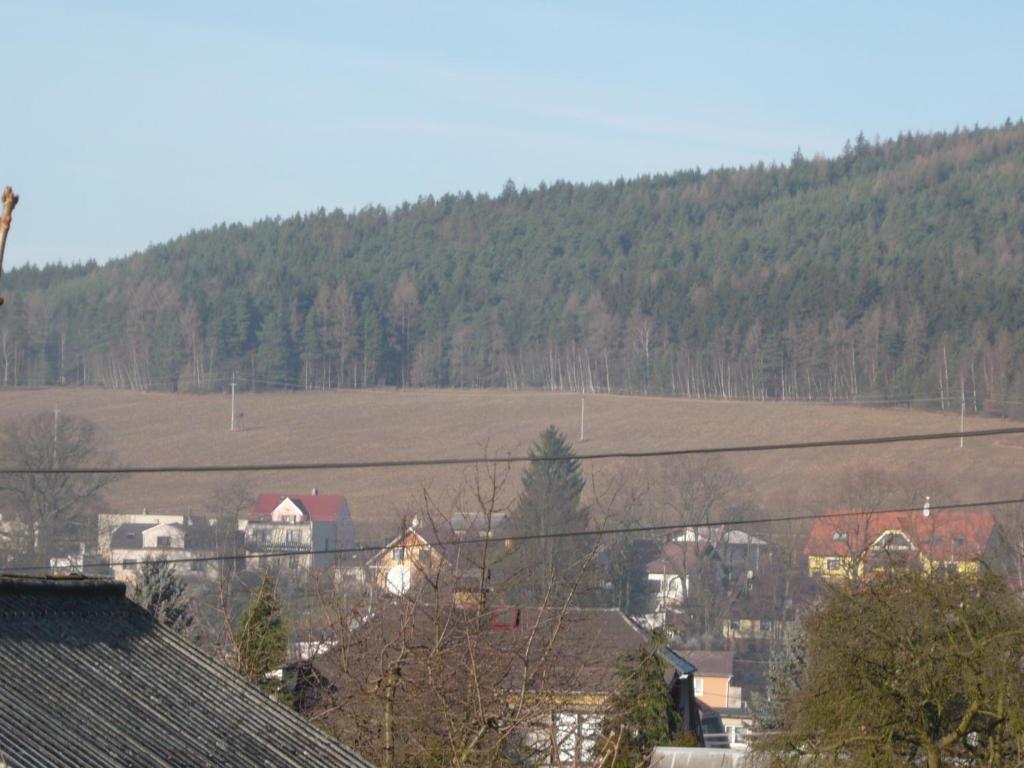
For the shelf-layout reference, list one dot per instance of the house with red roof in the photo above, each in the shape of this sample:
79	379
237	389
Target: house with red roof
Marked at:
299	531
848	543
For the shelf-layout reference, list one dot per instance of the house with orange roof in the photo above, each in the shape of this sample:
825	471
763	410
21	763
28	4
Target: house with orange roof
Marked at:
848	543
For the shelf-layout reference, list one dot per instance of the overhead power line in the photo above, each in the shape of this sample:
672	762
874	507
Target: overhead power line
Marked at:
367	548
510	459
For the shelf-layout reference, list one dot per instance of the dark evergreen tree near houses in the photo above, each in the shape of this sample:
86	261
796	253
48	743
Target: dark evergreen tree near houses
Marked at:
159	590
550	503
261	640
640	714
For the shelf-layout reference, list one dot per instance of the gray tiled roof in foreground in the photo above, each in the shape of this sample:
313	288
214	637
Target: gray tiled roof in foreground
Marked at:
88	679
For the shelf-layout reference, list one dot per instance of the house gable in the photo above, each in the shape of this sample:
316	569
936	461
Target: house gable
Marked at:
287	512
164	536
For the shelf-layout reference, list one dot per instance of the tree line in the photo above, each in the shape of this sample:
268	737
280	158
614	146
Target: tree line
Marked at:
888	272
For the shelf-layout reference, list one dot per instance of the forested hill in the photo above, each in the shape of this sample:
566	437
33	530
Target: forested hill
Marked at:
895	270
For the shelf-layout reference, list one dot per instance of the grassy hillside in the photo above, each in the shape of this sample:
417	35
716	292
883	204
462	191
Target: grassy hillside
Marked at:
162	428
892	269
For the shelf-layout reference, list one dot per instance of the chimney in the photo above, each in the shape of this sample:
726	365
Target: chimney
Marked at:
314	492
927	511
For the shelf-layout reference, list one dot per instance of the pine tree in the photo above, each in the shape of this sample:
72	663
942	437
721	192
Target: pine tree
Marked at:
550	503
273	351
312	349
640	713
162	594
262	638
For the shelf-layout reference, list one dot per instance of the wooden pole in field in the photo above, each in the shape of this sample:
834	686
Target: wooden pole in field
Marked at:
9	200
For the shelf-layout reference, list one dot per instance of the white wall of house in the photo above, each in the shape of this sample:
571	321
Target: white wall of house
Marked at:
164	536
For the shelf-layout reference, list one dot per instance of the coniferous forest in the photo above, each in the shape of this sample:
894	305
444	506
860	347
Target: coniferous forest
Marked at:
892	272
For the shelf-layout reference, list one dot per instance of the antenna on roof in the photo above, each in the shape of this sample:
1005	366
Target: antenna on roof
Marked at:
927	511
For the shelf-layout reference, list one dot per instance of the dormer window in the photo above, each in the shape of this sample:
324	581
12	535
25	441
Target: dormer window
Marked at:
840	536
893	541
163	541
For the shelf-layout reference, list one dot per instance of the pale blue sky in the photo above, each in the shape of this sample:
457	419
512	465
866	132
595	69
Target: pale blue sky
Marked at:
125	124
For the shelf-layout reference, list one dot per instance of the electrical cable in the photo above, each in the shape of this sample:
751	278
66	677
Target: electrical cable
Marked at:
456	461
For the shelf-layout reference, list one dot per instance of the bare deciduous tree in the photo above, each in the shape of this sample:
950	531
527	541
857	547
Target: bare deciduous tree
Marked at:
51	514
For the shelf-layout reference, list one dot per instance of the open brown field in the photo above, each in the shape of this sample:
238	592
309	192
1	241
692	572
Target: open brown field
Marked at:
158	428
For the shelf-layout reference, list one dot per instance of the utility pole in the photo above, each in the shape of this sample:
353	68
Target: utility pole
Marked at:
232	402
963	409
56	428
583	410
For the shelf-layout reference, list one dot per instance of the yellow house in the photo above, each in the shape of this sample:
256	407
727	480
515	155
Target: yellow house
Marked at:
844	543
405	560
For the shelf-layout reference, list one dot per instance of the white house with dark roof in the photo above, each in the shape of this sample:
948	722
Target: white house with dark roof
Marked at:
189	546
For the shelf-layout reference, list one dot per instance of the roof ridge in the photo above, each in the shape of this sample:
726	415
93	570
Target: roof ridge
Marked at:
14	582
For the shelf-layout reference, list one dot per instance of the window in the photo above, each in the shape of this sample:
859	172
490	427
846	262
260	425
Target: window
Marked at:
840	536
424	555
398	554
698	686
766	625
293	563
197	566
959	541
129	564
163	541
833	564
293	537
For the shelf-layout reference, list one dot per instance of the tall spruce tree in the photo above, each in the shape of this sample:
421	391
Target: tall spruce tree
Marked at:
261	639
550	503
159	590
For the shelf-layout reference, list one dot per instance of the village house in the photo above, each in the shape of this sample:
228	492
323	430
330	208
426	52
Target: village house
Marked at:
842	544
713	686
567	659
585	652
405	561
108	522
421	550
298	532
89	678
191	548
725	561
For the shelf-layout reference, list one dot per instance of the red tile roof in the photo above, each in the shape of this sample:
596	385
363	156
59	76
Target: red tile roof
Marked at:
320	508
961	534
